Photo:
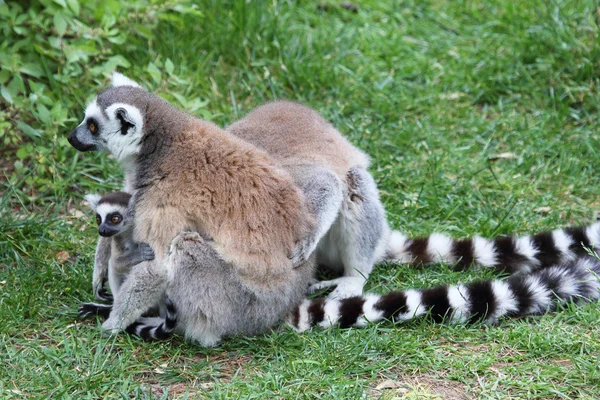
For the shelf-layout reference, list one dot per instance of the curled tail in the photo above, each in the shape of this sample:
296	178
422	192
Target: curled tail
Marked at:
156	328
511	254
486	301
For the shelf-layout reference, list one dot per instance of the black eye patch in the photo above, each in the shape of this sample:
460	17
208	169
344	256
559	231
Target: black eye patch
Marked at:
93	126
125	125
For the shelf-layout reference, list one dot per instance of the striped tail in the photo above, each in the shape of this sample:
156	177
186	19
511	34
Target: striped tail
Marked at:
156	328
511	254
487	301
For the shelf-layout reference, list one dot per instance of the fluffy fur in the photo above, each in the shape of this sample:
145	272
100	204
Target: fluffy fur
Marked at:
488	301
511	254
189	175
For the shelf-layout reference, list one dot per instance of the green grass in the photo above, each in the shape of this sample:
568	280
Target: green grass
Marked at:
434	91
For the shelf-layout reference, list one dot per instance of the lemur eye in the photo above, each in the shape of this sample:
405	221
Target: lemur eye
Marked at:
115	219
98	220
92	127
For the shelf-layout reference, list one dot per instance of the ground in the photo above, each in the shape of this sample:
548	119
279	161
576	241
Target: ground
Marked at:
481	117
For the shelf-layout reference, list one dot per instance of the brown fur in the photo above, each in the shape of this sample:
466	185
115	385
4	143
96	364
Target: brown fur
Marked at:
228	191
294	134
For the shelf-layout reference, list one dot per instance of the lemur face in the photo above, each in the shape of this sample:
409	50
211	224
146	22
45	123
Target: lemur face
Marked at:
111	212
113	120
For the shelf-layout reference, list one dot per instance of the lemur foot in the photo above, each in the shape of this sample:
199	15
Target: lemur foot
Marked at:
87	310
346	286
104	295
303	251
146	252
99	291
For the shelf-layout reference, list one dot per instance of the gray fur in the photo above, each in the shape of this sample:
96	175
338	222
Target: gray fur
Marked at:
323	192
116	255
352	242
211	300
100	275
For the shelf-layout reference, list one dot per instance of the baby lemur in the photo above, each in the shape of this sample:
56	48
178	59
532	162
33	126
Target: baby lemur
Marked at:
120	252
123	253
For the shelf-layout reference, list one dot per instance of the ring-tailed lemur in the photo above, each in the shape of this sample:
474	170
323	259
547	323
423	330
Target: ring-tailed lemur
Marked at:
192	175
120	251
123	253
487	301
188	174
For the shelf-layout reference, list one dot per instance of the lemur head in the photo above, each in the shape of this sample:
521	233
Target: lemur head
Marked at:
120	117
111	212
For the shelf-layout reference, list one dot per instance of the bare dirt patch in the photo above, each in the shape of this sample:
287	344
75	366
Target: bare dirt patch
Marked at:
420	386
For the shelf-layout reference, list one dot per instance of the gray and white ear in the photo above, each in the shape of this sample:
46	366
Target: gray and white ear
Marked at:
121	80
92	199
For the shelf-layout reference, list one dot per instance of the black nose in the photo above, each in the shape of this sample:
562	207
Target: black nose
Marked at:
106	232
77	144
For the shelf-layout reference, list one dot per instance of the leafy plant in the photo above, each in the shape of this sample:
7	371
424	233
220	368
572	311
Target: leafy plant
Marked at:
49	51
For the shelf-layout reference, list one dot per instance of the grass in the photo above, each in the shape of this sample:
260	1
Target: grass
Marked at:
481	117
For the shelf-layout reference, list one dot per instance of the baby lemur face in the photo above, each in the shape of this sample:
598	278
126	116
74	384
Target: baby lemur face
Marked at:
111	212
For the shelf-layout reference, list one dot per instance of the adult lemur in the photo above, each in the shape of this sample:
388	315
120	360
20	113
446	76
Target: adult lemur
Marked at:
254	224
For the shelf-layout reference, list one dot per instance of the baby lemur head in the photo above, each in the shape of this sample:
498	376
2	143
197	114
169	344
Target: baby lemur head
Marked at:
121	118
111	212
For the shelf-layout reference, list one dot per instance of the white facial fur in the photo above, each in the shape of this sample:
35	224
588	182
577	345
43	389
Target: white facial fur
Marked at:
110	138
105	209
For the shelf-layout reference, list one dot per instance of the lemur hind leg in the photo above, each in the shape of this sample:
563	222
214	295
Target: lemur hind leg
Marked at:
324	195
356	239
144	285
100	276
211	300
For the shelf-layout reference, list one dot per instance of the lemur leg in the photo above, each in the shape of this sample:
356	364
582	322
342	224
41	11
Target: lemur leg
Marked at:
135	254
357	237
101	269
211	300
142	289
87	310
323	192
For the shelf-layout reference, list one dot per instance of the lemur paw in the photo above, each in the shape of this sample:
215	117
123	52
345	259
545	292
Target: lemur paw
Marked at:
87	310
98	287
104	295
146	252
303	251
346	286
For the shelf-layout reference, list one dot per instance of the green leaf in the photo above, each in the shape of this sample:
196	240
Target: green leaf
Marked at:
74	6
6	95
169	67
22	153
61	3
28	130
43	113
32	69
60	23
154	72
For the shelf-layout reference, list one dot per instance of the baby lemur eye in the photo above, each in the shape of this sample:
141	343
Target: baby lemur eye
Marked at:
115	219
98	220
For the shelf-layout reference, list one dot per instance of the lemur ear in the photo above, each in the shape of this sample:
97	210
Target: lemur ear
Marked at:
121	80
92	199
